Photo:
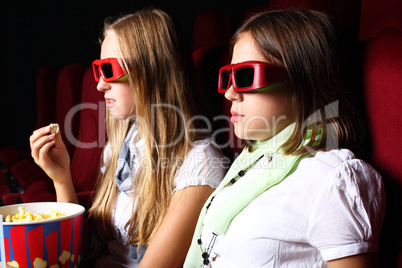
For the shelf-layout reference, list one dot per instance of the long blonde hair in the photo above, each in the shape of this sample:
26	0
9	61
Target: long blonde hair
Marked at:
160	77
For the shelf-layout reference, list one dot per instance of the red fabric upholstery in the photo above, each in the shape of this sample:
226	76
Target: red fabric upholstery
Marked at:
382	82
46	82
3	182
382	77
381	28
91	139
378	15
11	155
27	172
36	184
211	27
69	84
40	191
11	198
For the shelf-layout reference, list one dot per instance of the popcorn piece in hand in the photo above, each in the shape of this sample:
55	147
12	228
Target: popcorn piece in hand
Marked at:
54	128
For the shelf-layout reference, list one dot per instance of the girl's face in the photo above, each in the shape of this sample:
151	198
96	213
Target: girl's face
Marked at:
258	115
118	95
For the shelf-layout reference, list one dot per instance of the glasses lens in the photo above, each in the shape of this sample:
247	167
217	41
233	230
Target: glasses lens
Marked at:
96	71
107	70
225	79
244	77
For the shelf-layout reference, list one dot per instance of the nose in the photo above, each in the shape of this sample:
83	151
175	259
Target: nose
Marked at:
232	95
102	86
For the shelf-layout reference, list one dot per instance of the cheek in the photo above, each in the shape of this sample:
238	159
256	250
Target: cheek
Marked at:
275	106
268	115
127	101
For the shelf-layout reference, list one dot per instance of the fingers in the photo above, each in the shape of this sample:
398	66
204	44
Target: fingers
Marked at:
41	142
59	140
38	134
41	147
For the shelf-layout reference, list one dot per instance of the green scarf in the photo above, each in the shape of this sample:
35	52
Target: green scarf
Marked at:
221	220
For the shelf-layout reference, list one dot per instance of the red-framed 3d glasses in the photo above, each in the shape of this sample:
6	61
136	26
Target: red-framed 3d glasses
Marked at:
109	69
250	76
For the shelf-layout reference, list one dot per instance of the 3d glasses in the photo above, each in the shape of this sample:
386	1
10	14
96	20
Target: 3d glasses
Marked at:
250	76
109	68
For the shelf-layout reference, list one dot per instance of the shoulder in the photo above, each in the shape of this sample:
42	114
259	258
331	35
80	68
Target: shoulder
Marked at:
204	164
107	155
347	202
205	150
341	169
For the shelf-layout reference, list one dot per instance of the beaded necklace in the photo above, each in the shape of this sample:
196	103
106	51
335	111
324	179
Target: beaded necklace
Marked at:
206	253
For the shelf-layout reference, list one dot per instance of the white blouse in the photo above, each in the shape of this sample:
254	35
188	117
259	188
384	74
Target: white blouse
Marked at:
203	165
332	206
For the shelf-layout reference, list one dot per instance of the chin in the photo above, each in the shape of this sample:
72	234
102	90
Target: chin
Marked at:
260	136
119	117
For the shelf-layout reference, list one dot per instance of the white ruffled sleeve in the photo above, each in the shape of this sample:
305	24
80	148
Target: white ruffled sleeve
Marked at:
204	165
107	155
348	211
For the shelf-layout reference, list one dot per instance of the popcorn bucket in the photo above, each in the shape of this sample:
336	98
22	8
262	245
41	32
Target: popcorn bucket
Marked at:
48	243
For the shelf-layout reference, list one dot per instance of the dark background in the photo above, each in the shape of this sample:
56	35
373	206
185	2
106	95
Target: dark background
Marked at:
37	33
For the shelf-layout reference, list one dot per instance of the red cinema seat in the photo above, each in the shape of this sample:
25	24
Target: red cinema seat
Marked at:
380	35
46	83
382	83
11	155
211	26
69	84
91	140
378	15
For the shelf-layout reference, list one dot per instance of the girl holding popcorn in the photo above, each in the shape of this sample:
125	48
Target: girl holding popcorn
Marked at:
157	170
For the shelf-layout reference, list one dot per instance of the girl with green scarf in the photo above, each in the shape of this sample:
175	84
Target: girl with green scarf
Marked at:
292	198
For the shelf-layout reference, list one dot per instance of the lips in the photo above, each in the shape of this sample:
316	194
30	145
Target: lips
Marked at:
235	116
110	102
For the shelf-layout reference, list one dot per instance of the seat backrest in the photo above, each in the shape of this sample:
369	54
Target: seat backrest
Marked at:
46	83
91	137
211	26
380	35
69	83
378	15
382	83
